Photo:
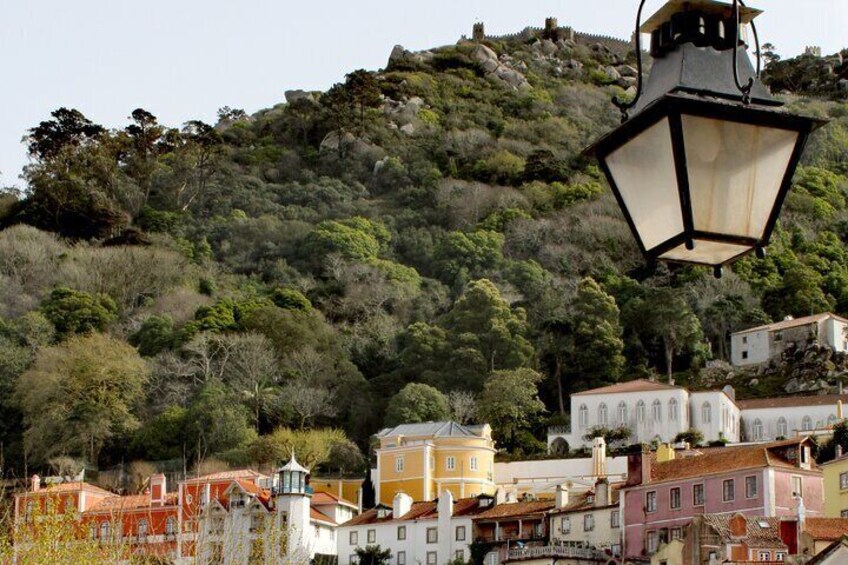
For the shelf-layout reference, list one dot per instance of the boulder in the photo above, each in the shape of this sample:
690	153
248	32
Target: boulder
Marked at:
547	47
628	71
401	55
408	129
612	73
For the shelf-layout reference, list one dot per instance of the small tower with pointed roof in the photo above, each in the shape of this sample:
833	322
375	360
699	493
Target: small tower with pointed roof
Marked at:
293	495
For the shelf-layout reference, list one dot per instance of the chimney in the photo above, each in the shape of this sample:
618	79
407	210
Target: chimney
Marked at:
738	526
401	504
158	489
35	483
561	496
665	453
639	467
599	457
602	493
445	505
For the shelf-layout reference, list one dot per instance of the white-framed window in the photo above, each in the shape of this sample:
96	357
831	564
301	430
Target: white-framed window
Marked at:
640	411
807	424
651	501
583	416
615	519
797	486
432	535
401	533
843	481
473	463
779	556
459	555
460	533
706	413
565	525
353	538
728	490
782	427
698	495
602	415
672	410
764	555
398	464
656	411
751	486
352	559
372	536
255	519
104	530
170	526
432	558
401	558
843	514
653	542
142	528
450	462
676	533
757	430
674	498
622	413
588	522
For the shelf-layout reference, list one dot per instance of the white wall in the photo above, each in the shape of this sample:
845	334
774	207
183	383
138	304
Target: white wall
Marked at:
724	416
756	344
819	416
542	477
835	334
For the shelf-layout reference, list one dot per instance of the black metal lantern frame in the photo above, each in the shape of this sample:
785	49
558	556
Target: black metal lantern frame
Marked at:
702	169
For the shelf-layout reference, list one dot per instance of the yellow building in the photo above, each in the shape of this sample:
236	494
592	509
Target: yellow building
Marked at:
835	479
422	460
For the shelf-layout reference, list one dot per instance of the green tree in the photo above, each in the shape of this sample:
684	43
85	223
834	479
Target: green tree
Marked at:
417	403
76	312
79	395
692	436
373	555
216	422
669	319
510	403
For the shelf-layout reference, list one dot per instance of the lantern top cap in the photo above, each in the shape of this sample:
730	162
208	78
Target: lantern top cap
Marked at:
293	465
712	7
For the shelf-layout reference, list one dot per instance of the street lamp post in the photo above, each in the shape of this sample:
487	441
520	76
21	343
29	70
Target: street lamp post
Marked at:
704	156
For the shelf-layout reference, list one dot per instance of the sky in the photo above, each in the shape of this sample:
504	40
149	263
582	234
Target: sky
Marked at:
184	59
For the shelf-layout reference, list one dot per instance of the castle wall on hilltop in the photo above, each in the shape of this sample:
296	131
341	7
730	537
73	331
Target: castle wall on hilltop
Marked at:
553	31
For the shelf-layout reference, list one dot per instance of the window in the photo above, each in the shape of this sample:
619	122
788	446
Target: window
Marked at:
432	559
459	555
401	533
352	560
372	536
142	528
744	355
255	519
672	410
706	413
797	486
674	498
354	538
398	464
170	526
460	533
640	411
843	481
583	414
473	464
782	427
764	555
807	424
757	430
698	495
565	525
778	336
432	535
622	413
104	530
651	501
751	486
588	522
450	462
615	519
652	542
602	415
401	558
844	514
831	420
676	533
728	490
779	556
745	339
656	411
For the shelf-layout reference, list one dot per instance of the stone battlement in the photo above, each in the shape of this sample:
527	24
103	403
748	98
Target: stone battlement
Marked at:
553	31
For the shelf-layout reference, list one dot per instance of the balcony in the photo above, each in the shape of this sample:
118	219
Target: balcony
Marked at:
556	551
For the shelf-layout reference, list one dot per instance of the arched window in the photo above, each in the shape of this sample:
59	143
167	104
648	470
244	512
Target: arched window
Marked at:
831	419
706	413
672	410
640	412
622	413
559	447
170	526
656	411
584	416
757	430
807	424
782	427
142	528
602	415
104	530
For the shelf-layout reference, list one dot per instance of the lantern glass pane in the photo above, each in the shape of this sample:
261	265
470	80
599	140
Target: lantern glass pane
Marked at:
706	252
644	173
735	173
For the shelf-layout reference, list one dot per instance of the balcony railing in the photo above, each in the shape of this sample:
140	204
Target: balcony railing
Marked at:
555	551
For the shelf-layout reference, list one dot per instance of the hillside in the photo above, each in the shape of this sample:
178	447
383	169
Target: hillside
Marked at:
184	292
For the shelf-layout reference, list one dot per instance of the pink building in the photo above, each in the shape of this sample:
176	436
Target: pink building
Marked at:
665	490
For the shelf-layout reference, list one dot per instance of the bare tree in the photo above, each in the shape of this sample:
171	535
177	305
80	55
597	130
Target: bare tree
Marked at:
463	406
308	402
252	370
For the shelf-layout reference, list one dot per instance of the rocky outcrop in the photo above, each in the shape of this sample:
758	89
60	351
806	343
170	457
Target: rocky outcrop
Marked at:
498	69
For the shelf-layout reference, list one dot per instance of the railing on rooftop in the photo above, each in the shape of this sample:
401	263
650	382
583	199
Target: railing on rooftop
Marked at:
555	551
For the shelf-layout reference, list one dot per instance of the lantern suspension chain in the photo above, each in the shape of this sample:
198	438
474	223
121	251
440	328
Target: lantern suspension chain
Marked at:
623	105
746	88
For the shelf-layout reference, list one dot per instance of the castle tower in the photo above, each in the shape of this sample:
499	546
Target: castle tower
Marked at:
479	32
293	496
551	29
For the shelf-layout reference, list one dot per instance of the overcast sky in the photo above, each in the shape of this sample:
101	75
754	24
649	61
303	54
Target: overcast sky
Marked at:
183	59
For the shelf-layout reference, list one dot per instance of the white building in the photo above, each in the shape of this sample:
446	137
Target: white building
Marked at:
652	411
760	344
769	419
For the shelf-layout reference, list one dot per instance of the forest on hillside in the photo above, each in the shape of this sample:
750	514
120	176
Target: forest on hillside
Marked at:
416	243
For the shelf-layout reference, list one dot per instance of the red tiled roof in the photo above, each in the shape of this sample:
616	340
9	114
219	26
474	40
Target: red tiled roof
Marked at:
420	511
324	498
828	529
761	532
249	487
793	323
226	475
789	401
73	487
516	509
638	385
121	503
320	516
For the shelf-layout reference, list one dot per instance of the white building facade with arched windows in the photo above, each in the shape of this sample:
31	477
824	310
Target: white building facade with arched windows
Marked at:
651	411
769	419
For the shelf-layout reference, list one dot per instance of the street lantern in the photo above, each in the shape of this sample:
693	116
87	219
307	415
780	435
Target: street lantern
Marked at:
702	166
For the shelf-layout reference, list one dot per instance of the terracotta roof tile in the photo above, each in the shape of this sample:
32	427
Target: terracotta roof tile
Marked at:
420	511
74	487
320	516
325	498
515	509
789	401
121	503
793	323
227	475
638	385
828	529
761	532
